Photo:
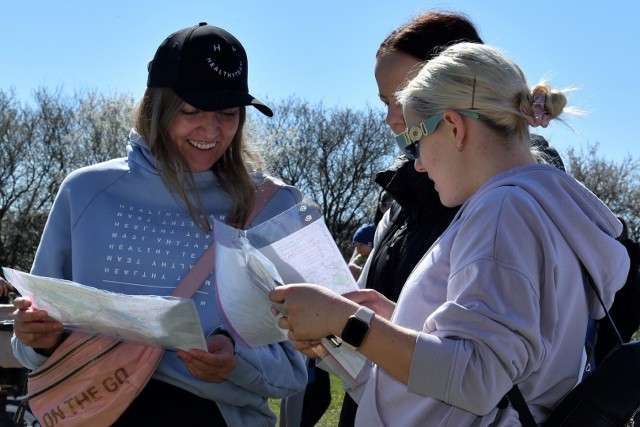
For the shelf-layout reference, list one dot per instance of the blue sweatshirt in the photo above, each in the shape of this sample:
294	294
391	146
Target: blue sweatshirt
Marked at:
116	226
500	299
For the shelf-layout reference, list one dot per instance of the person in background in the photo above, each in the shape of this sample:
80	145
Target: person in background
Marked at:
306	408
385	201
415	217
363	242
625	310
6	291
406	236
486	307
545	153
136	225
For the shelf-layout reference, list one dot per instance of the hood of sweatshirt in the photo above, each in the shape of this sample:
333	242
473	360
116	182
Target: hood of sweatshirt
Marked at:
139	153
586	223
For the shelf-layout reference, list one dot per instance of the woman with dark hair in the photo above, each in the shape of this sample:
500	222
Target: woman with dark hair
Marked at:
418	218
406	233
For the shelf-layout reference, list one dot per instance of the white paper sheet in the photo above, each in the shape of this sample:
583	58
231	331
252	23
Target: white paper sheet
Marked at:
341	361
296	245
310	255
243	303
168	322
293	247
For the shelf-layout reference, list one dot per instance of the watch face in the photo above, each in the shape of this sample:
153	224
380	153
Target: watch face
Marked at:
355	331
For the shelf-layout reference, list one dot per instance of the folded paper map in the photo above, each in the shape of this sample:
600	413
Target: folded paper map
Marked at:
168	322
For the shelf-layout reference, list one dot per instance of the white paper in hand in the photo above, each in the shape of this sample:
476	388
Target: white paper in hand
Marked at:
244	278
292	247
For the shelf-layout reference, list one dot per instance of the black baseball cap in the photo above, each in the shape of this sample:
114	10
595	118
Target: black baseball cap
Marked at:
206	67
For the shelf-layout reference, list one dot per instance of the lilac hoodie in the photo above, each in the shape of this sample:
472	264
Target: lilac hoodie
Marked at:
500	299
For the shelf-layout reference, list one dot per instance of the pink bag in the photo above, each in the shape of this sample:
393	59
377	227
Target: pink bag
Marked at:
90	380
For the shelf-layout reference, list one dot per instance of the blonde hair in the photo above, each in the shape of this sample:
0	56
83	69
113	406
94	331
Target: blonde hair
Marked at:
480	78
153	118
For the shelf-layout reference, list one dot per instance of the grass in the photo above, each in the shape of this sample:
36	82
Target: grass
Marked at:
332	414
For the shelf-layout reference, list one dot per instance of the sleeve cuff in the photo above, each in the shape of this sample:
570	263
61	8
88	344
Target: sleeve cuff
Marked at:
434	355
222	331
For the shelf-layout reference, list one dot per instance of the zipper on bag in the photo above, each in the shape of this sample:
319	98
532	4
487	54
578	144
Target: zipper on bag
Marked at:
632	421
62	358
75	371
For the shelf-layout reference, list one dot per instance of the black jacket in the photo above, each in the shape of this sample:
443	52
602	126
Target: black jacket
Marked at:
417	220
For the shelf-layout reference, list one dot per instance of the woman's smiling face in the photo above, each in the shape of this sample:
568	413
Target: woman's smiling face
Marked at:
203	136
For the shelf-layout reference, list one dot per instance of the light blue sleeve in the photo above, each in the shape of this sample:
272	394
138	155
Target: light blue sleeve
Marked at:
53	259
275	370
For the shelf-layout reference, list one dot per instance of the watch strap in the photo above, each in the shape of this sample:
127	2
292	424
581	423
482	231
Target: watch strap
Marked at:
357	328
365	314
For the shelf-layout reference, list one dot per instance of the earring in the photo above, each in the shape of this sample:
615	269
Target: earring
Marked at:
459	147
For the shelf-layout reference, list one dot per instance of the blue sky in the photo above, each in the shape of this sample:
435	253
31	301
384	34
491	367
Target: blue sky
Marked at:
324	51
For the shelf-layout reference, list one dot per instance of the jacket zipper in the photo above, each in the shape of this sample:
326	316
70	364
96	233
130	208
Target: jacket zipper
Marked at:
632	422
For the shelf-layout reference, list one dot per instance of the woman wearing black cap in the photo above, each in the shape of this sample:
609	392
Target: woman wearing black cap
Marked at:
136	225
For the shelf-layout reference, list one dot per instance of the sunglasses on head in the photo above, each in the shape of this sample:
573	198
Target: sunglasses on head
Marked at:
409	140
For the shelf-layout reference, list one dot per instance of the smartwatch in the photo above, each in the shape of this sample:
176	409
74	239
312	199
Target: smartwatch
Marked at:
357	328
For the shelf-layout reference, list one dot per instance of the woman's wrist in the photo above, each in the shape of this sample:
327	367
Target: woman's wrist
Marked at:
221	331
49	351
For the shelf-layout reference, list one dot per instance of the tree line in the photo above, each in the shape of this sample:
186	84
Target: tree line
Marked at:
40	143
330	153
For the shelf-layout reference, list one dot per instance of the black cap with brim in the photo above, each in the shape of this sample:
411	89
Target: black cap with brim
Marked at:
206	67
220	99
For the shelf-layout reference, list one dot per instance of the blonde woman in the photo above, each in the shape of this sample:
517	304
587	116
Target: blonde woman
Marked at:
499	299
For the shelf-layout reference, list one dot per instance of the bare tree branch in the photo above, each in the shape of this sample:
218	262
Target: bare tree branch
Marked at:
615	183
40	143
331	155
